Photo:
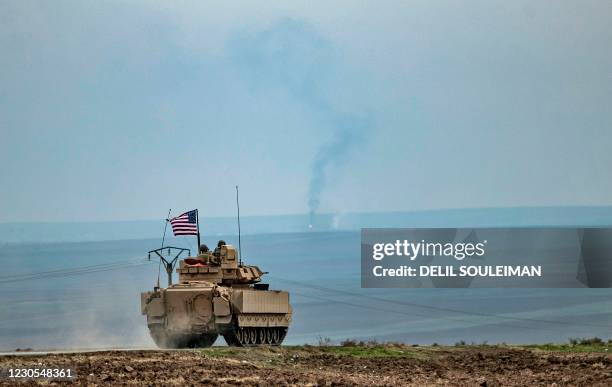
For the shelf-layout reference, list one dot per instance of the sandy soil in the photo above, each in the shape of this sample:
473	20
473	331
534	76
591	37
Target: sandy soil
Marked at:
222	366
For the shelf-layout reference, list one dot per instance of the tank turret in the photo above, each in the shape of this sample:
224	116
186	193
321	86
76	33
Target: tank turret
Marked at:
220	268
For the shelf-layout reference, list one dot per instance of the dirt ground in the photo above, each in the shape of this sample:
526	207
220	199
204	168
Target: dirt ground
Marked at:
320	366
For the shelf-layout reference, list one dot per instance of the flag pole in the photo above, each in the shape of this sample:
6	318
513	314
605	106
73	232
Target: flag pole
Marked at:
198	222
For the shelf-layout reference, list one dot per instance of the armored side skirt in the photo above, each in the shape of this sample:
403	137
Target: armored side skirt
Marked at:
256	308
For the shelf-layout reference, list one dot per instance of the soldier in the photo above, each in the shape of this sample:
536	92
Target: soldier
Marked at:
204	255
217	252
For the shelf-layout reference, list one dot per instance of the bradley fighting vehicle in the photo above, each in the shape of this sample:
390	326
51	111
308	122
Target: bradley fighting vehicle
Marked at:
215	295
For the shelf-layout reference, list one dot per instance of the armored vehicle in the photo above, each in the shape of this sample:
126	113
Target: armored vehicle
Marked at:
215	295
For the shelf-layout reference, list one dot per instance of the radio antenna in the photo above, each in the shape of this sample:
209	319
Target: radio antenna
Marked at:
239	244
165	227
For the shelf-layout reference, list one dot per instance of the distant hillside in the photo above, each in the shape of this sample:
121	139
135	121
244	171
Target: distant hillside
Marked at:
476	217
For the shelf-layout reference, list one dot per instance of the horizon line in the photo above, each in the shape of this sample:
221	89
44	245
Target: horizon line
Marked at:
324	214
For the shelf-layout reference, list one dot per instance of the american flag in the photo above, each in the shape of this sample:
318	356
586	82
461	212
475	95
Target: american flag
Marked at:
185	224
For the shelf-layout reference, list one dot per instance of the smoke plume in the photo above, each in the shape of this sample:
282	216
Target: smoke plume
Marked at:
331	154
291	55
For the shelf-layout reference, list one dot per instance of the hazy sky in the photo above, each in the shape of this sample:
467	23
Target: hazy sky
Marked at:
121	110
